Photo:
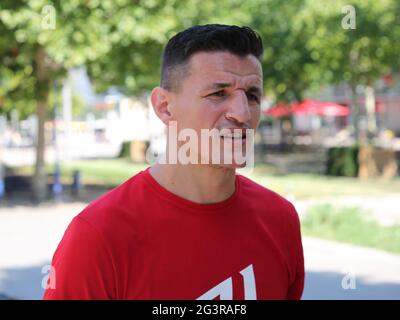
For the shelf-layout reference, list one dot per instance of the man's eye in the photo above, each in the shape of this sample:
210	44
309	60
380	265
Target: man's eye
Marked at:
220	93
252	97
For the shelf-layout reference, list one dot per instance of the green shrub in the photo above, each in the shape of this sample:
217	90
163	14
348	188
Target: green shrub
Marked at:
125	150
343	161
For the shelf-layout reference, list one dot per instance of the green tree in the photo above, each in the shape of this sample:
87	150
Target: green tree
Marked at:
288	62
361	55
40	41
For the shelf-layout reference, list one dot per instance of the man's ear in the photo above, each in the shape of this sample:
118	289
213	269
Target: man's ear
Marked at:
160	99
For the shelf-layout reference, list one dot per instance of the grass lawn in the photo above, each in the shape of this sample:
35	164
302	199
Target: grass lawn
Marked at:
107	172
315	186
112	172
350	225
312	185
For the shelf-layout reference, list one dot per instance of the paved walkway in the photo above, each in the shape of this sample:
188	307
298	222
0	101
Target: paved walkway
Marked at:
29	236
342	271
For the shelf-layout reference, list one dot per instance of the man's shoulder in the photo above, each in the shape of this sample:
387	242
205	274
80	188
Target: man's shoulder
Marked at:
266	197
117	204
252	188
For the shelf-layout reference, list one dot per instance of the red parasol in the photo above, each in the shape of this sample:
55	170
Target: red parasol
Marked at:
278	111
322	108
307	107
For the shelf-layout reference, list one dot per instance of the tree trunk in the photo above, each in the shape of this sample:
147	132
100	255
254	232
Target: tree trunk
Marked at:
42	92
370	106
355	113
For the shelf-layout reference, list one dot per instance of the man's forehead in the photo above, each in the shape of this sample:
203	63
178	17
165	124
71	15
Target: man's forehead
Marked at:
226	67
227	79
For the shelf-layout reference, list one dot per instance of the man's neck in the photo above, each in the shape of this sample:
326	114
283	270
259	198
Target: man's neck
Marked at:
197	183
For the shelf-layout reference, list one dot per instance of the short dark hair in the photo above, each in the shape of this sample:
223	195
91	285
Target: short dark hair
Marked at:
240	41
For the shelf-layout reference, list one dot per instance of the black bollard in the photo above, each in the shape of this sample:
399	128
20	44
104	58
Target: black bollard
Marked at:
2	182
57	186
2	188
76	183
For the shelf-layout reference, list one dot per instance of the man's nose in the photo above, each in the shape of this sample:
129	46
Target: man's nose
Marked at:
238	110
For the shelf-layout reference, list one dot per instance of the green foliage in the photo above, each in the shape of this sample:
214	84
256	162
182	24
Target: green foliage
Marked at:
289	66
306	44
134	59
343	161
359	55
349	224
120	42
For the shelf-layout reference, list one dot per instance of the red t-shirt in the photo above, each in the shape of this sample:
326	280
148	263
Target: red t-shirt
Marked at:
140	241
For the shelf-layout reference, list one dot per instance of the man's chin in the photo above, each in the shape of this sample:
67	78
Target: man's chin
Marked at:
231	165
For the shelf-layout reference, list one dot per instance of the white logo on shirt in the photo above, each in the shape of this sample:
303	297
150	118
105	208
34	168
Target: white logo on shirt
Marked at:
225	290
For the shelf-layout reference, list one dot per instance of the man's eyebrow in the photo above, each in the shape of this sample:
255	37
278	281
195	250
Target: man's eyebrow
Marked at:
219	85
222	85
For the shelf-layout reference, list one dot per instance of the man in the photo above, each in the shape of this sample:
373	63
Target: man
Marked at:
193	230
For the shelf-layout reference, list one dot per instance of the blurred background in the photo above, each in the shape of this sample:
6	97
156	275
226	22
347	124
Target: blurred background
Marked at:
75	122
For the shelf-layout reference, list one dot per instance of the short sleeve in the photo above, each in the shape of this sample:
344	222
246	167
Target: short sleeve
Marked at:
82	267
296	287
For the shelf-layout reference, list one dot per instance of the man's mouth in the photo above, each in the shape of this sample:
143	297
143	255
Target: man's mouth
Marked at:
235	135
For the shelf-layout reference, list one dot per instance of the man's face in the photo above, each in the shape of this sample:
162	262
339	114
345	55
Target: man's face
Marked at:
220	91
